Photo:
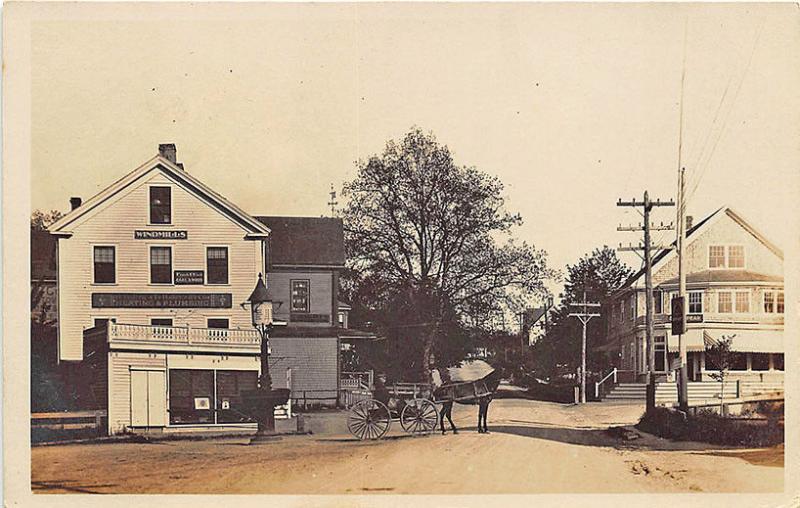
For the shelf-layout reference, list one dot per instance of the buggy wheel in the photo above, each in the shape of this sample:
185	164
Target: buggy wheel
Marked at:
369	419
420	416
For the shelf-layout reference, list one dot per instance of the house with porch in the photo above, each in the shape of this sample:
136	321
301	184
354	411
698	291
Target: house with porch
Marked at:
153	273
735	288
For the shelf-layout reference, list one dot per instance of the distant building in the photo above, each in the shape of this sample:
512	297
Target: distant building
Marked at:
153	273
735	287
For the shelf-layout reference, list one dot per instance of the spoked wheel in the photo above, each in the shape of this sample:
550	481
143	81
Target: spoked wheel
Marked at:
420	416
369	419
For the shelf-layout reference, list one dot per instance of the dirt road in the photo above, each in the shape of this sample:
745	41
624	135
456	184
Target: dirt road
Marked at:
534	447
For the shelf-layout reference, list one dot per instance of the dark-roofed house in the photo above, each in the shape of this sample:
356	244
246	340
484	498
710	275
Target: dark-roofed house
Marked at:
734	288
305	256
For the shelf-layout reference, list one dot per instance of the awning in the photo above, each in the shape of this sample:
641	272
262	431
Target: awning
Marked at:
744	341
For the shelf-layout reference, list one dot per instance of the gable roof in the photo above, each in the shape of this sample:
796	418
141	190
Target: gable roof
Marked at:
308	241
664	255
183	178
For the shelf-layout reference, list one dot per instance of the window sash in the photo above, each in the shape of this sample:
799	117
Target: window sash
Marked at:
658	302
217	265
161	265
160	205
724	303
779	305
742	302
769	302
716	256
695	302
105	265
735	256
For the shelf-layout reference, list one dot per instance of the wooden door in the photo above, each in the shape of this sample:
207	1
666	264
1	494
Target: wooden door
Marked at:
148	398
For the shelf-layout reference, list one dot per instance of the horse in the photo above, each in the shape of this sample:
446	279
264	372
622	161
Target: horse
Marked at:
492	382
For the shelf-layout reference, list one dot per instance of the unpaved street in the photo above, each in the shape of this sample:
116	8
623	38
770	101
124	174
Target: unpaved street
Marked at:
534	447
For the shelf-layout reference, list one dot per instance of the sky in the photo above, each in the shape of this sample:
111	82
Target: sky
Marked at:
572	106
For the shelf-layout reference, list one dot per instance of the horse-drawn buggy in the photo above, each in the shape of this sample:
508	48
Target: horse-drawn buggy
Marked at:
416	405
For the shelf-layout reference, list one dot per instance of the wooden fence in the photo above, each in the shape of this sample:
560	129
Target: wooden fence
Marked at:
70	420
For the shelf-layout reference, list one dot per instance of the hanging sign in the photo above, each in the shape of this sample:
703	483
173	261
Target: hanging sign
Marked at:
176	234
187	277
678	324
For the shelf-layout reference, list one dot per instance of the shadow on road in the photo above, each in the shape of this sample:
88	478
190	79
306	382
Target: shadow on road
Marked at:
61	485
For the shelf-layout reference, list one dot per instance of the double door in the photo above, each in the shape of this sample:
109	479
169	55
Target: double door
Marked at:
148	398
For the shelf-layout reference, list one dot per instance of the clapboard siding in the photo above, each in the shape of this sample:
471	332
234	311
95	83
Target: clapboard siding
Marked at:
321	292
313	362
113	223
119	390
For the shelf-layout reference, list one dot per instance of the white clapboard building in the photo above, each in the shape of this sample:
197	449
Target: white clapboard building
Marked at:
152	274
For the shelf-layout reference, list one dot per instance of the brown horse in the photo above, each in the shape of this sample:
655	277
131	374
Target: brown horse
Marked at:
492	382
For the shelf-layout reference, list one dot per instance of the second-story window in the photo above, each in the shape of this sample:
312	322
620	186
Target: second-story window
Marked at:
161	265
217	265
105	269
160	205
300	296
716	256
735	256
695	302
658	302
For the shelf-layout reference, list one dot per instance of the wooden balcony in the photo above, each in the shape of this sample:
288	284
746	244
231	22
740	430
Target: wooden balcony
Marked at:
178	338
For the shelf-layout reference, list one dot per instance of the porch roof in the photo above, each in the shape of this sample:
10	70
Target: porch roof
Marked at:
744	341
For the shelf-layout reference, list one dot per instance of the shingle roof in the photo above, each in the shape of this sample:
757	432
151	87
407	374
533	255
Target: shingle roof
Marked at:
305	240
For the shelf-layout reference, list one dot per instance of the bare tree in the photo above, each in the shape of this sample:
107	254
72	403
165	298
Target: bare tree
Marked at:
722	358
419	225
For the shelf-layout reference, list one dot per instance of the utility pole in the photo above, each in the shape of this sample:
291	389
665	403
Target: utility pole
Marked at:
584	317
647	205
683	376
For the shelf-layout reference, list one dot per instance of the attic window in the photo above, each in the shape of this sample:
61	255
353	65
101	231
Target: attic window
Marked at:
160	205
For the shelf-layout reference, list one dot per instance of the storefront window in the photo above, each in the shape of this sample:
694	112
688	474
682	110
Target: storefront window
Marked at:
230	385
191	396
738	361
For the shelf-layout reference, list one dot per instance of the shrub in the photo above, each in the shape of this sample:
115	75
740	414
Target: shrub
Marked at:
708	426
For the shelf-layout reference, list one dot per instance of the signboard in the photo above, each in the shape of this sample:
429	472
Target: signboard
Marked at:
226	404
310	318
202	403
694	318
186	277
174	234
678	325
161	300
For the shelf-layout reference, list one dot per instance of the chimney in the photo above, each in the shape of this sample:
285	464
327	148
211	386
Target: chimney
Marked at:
169	152
74	202
689	220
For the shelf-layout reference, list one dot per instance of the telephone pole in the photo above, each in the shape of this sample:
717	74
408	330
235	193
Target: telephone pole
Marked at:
584	317
647	206
679	325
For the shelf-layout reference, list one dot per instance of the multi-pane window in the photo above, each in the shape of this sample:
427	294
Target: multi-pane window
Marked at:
742	302
160	205
724	302
716	256
105	271
161	265
773	302
726	256
300	296
735	256
695	302
217	265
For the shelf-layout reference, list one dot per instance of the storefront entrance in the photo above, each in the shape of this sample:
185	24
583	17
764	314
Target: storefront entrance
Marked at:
148	398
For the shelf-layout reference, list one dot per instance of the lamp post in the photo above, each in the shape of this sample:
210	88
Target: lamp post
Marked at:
264	399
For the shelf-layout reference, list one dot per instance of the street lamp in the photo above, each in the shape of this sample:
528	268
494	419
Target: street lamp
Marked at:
264	400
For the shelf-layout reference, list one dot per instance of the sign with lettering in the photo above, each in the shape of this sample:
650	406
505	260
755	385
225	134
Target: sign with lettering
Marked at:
162	300
678	325
186	277
310	318
176	234
694	318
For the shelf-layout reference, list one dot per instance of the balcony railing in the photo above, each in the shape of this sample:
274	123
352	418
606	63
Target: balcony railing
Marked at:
177	335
